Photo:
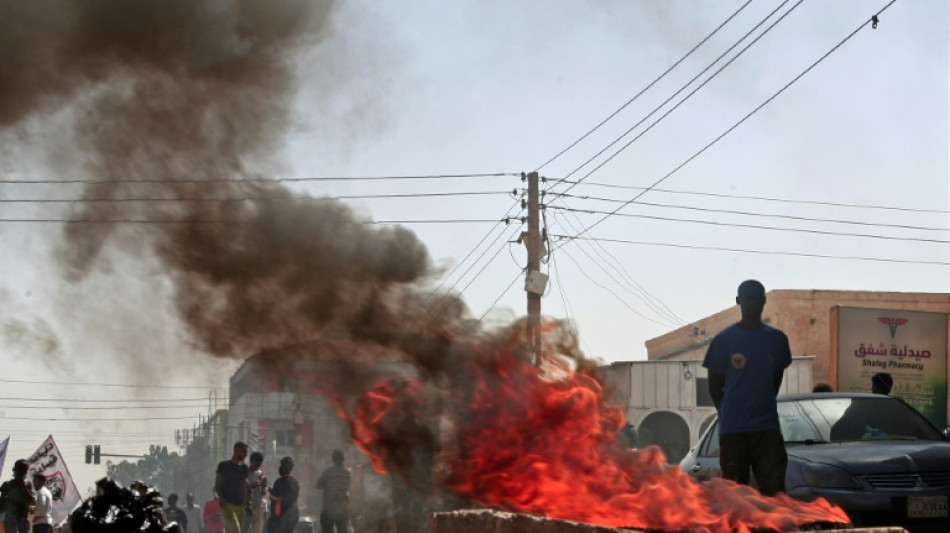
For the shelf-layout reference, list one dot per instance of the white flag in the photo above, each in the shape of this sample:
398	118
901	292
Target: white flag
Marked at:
48	461
3	453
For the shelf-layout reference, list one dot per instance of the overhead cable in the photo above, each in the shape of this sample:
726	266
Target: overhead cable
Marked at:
645	89
742	120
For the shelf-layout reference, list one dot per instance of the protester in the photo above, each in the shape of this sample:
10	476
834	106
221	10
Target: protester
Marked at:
822	387
230	485
193	512
283	496
411	449
176	514
16	498
43	509
882	383
258	486
335	483
746	364
213	520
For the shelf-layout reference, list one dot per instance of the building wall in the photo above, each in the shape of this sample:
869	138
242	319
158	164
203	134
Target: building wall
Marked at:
279	405
804	315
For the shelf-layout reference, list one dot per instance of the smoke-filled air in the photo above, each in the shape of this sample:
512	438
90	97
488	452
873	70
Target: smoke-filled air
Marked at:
184	100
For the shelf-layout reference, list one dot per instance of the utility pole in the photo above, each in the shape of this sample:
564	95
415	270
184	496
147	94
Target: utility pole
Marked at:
535	281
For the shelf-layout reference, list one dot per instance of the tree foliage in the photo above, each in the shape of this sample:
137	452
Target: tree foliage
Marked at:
158	468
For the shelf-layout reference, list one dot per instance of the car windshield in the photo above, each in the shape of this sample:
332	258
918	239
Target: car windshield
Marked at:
816	420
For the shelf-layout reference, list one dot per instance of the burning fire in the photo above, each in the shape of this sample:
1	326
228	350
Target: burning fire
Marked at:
528	442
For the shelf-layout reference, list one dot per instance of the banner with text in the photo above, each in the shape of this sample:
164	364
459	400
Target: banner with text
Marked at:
911	346
48	461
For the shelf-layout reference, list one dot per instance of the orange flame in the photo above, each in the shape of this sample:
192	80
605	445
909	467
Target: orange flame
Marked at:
529	443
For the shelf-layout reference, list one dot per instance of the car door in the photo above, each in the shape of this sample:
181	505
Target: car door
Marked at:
705	463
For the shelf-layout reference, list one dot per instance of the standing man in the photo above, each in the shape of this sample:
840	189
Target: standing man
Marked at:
746	363
193	512
284	513
230	486
43	510
176	514
335	484
258	485
16	498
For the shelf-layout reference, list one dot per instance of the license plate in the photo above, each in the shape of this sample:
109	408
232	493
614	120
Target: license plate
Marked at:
927	507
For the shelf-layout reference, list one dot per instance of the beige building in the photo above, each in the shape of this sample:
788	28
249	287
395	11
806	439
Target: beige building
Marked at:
804	315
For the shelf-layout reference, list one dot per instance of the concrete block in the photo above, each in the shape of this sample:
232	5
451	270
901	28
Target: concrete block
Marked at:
489	521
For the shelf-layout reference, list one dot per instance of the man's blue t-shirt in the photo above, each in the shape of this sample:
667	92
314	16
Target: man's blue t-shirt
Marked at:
749	360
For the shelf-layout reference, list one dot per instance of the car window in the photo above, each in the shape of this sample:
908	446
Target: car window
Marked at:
710	447
844	419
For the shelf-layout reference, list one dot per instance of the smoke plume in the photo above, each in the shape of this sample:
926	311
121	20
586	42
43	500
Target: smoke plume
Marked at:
182	100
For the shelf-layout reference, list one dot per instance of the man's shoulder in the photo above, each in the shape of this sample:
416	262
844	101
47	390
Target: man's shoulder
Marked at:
771	330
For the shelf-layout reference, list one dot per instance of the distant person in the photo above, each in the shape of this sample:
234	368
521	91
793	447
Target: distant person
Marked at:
230	486
213	519
746	364
258	486
43	508
284	514
411	449
882	383
16	498
196	522
173	513
335	484
822	387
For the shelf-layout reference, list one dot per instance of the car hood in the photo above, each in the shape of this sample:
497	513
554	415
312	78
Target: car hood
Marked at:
878	457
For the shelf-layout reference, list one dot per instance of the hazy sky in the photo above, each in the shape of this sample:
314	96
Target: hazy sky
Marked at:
853	159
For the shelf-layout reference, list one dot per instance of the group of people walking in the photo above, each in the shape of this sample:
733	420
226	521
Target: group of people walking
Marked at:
19	499
243	503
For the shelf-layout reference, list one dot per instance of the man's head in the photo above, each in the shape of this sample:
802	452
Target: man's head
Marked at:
881	383
822	387
38	480
751	299
257	459
286	466
240	452
172	500
190	498
337	456
20	468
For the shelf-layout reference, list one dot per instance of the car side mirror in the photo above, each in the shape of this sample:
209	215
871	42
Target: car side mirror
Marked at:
946	434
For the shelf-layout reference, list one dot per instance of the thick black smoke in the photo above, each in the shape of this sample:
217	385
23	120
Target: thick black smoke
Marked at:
182	99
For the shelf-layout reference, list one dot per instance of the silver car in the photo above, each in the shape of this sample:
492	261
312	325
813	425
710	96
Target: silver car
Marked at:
874	456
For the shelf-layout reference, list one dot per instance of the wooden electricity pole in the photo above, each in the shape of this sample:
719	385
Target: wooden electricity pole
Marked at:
534	268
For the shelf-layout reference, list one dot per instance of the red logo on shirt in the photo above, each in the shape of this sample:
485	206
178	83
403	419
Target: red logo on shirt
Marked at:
738	360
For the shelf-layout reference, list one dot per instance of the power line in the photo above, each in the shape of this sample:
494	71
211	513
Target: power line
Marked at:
658	307
186	221
744	197
751	226
749	251
687	97
645	89
81	383
137	419
75	400
266	180
743	119
108	408
500	296
766	215
253	198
